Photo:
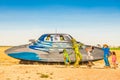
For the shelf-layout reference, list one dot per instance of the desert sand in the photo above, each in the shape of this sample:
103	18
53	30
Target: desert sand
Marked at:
10	69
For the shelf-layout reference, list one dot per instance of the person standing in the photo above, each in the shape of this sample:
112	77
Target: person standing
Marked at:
78	56
106	51
114	60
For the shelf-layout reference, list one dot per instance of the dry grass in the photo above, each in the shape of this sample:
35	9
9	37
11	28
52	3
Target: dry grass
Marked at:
4	59
17	71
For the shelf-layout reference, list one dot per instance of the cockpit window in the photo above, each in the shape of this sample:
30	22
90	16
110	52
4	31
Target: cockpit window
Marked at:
58	38
55	38
67	38
47	38
61	38
42	37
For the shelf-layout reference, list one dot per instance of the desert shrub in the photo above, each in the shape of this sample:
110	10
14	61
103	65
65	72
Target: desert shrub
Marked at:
44	76
114	48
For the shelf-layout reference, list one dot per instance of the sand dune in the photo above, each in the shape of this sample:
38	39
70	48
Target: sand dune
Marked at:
10	69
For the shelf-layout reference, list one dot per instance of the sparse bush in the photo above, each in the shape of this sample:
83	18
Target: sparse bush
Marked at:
26	72
44	76
38	73
51	73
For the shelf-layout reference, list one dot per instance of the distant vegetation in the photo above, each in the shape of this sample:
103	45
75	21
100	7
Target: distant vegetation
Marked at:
115	48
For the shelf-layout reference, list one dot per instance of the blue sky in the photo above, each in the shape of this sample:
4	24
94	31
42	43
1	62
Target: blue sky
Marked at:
89	21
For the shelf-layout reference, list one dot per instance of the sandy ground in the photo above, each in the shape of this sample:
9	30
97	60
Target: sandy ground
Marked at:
10	69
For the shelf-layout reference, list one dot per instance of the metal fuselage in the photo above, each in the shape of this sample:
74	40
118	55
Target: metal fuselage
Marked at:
49	48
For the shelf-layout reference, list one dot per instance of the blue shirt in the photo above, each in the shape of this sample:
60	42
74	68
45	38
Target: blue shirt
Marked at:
106	51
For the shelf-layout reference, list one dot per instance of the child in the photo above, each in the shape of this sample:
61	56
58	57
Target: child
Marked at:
89	56
66	57
114	59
